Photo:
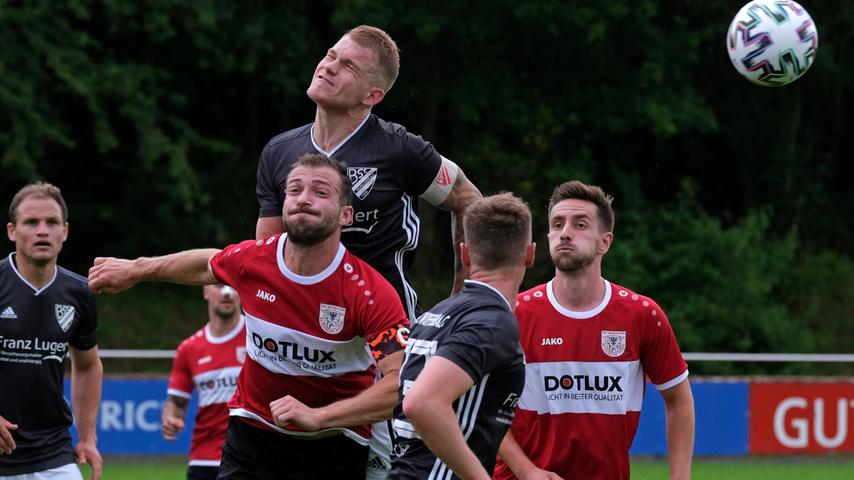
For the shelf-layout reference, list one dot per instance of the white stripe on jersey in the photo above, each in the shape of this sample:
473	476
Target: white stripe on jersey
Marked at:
216	386
468	407
411	226
242	412
583	387
291	352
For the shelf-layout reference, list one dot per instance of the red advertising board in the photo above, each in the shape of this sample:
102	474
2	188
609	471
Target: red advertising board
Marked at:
801	418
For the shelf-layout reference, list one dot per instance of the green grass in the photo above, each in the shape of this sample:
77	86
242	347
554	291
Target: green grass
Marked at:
776	468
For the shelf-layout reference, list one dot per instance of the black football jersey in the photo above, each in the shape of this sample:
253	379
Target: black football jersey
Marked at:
477	331
37	326
389	168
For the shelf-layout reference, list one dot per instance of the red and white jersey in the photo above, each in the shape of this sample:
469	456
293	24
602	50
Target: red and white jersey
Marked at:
584	379
305	336
211	365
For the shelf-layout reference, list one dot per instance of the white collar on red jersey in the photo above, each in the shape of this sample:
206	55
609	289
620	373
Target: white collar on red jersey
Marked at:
228	336
301	279
575	314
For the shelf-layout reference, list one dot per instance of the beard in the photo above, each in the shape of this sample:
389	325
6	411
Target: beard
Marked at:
225	311
573	263
307	234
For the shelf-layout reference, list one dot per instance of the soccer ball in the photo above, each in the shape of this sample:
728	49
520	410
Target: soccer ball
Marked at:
772	42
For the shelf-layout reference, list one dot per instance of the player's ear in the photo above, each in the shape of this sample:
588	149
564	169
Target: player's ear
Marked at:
605	243
10	231
530	254
346	216
374	96
465	258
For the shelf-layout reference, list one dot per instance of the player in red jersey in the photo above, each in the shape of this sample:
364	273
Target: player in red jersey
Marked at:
588	345
319	324
209	360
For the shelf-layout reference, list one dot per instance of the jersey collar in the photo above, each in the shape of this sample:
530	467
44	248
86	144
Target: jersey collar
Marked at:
36	290
301	279
475	282
348	137
575	314
228	336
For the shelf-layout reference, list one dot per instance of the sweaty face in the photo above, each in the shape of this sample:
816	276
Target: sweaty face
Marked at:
312	211
343	78
574	236
38	231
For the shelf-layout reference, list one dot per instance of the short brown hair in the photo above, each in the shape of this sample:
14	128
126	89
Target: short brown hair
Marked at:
575	190
388	55
318	160
38	190
497	230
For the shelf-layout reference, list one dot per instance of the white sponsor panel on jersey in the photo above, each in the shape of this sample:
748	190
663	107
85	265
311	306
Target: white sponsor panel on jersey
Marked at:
216	386
283	350
583	387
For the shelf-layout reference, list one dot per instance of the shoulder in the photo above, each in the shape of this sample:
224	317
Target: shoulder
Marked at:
284	139
644	308
4	266
394	131
71	280
193	341
531	299
359	274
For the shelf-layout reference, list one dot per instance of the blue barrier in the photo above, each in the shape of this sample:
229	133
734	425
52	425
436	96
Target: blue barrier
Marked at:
721	420
129	419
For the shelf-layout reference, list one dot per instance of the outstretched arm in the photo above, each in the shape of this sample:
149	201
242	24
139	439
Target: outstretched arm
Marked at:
463	194
86	375
114	275
679	409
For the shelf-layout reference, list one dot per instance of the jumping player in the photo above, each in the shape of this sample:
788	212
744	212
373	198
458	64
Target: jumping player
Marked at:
210	361
319	324
464	369
46	315
390	169
589	344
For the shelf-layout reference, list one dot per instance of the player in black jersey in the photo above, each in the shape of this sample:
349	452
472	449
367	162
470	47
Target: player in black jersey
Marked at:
46	314
463	369
390	169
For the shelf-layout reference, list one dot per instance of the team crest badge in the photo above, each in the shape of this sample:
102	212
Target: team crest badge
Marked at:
363	179
64	316
332	318
240	353
613	342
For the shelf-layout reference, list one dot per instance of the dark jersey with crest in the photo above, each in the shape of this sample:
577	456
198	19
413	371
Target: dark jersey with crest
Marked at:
477	331
37	325
389	168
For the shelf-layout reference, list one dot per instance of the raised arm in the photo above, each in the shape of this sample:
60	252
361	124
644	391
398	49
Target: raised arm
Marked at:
679	409
268	226
114	275
463	194
86	376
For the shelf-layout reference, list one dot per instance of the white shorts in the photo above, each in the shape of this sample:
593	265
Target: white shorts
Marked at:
65	472
379	463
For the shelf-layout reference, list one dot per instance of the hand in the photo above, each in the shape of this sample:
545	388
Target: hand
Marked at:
7	443
540	474
87	452
172	426
290	411
111	275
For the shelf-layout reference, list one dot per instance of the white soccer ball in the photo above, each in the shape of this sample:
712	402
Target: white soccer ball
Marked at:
772	42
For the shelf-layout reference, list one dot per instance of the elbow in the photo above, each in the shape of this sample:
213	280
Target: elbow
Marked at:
415	409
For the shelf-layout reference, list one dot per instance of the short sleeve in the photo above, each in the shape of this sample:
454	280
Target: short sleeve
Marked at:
84	337
420	164
380	312
225	265
659	354
181	378
269	193
484	341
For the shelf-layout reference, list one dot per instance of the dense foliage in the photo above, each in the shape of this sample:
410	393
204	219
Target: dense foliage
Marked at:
733	204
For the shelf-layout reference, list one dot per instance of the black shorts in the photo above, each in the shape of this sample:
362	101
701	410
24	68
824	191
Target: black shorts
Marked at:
254	453
198	472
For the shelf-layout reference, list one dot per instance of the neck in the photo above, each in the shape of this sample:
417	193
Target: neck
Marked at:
308	260
579	290
220	327
37	274
331	127
505	280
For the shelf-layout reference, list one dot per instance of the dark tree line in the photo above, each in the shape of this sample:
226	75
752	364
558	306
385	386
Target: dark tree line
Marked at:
733	201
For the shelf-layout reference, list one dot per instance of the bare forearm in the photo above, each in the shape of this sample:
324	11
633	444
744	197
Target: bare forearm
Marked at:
679	409
460	271
172	409
438	427
188	268
374	404
86	397
514	456
462	195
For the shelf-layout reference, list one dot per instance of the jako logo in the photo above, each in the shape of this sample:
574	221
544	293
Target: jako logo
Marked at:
599	383
265	296
293	350
552	341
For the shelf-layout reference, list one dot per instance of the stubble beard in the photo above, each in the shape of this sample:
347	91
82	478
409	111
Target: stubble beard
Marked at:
308	235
